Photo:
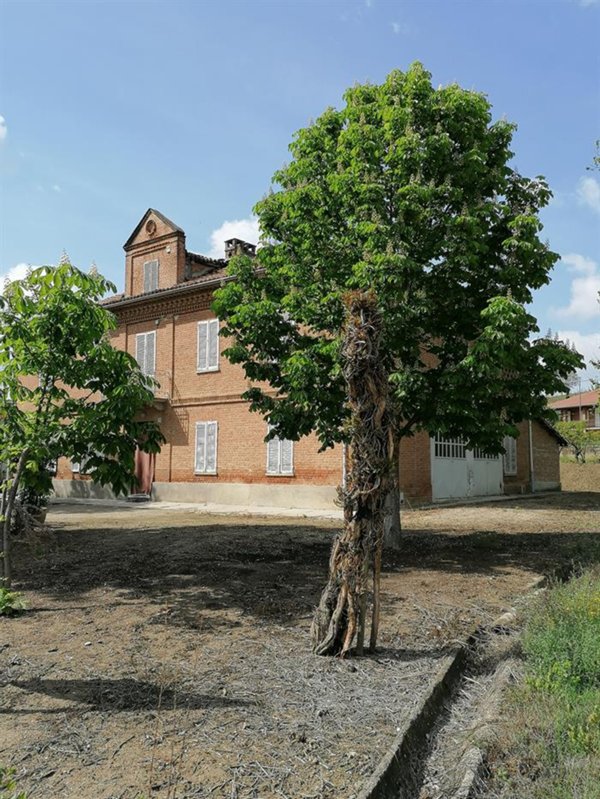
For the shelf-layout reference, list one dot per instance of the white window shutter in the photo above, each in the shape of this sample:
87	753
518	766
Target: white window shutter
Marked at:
211	447
287	455
510	455
140	351
150	354
201	446
202	346
273	456
213	344
150	276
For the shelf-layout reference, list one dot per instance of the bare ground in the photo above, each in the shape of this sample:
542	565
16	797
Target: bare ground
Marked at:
166	653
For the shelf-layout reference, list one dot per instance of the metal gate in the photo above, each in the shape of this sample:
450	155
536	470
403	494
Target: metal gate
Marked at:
460	472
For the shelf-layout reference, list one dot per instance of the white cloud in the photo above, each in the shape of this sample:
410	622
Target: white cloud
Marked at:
18	272
588	193
586	3
245	229
56	188
3	128
584	288
580	264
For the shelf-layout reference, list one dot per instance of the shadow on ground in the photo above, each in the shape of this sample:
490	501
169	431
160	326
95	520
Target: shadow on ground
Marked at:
119	694
274	571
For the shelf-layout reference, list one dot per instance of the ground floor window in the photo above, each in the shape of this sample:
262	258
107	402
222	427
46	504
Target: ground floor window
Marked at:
280	456
510	455
206	448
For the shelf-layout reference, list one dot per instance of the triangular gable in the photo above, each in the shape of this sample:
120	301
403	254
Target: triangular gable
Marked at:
163	226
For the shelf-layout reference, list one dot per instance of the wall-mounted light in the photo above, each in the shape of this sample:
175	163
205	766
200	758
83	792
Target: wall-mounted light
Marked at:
168	250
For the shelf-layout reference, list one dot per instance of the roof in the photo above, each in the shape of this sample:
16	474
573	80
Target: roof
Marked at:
214	277
162	217
584	399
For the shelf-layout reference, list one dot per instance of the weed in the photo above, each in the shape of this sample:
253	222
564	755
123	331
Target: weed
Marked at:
11	603
8	786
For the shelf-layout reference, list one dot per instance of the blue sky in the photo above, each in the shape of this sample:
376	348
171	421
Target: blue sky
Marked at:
108	108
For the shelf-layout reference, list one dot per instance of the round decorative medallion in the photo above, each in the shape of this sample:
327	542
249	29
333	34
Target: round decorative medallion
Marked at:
151	227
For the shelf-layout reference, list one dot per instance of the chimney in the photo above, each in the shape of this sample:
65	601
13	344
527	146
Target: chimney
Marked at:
239	247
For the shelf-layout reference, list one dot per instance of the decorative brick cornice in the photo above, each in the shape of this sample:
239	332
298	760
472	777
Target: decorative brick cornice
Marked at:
152	308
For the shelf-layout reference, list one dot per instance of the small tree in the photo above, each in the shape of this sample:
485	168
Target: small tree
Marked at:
86	398
579	438
406	197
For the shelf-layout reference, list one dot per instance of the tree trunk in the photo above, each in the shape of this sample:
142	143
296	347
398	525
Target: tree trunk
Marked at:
10	503
391	524
356	552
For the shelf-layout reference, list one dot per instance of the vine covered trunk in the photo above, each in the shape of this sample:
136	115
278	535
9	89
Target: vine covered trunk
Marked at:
355	562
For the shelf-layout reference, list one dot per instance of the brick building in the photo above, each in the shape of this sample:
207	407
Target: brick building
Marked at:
581	407
215	449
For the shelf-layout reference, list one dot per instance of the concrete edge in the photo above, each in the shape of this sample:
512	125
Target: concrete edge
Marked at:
474	760
386	779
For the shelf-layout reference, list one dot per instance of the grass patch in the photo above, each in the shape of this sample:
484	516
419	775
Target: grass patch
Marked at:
549	743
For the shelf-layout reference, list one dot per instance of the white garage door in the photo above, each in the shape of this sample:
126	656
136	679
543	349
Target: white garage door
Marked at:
460	472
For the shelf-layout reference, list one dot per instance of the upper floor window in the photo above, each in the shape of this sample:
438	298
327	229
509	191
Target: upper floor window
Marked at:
280	456
208	345
510	455
150	276
145	352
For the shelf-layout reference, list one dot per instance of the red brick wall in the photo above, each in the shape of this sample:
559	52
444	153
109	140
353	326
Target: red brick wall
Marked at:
167	245
415	467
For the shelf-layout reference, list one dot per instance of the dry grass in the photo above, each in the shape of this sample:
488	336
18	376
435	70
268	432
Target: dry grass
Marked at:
580	476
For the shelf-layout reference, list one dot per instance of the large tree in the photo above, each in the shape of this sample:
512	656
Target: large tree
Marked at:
403	204
83	398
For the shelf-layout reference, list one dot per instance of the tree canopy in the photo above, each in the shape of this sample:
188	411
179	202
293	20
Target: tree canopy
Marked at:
407	192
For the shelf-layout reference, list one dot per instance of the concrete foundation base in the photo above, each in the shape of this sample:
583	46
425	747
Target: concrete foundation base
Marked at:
240	494
251	494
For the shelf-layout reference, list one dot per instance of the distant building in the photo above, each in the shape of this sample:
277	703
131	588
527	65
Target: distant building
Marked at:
579	408
215	449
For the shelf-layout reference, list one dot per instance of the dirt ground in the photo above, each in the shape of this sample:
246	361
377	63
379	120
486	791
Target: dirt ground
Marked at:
166	653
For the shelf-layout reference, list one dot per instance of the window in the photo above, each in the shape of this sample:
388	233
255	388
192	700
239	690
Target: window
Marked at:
206	448
208	346
79	467
280	456
145	352
449	447
150	276
510	455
